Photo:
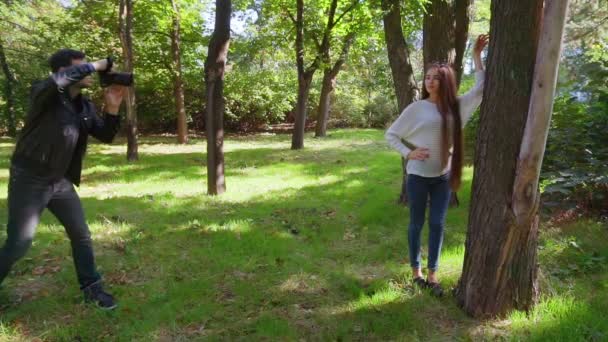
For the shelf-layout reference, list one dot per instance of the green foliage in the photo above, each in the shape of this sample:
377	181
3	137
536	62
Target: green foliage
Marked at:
28	30
576	158
257	97
260	80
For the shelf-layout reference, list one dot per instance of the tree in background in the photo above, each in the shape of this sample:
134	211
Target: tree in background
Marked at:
178	83
330	73
358	22
215	67
126	38
302	41
305	75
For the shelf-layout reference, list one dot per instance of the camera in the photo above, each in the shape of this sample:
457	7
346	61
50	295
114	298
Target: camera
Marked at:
121	78
109	77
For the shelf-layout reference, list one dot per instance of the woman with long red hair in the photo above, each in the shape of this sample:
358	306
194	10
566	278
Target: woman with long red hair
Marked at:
434	126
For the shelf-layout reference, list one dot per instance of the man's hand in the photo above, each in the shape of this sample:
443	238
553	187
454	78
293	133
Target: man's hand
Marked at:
113	96
420	153
102	65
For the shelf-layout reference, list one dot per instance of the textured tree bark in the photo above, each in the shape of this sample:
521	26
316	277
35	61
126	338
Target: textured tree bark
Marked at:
438	35
215	67
178	83
445	32
499	272
9	83
125	25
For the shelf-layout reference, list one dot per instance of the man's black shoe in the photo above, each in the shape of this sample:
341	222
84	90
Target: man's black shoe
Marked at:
95	294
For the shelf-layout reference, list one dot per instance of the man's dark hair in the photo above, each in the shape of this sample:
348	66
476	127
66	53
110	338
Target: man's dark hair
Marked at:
64	58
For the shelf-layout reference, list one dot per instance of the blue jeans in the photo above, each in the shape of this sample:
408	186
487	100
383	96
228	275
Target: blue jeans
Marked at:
28	195
419	190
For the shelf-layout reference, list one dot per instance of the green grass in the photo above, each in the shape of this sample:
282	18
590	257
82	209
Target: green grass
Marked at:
304	245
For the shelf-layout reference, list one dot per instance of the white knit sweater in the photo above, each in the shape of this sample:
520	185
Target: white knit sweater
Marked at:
420	125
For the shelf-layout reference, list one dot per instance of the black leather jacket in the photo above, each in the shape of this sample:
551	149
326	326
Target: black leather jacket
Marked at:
53	140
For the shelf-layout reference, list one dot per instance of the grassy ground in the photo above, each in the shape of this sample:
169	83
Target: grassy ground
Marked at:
304	245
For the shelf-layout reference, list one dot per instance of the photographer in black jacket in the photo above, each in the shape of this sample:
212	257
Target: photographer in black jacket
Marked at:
47	163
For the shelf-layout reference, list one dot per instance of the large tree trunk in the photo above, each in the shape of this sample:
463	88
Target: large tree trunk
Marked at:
215	67
329	84
499	272
401	68
178	83
9	79
125	25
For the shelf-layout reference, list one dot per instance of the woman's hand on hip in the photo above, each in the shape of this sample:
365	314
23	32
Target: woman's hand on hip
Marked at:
420	153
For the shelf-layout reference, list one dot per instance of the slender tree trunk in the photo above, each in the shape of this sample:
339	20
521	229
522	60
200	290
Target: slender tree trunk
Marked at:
462	17
327	89
329	84
126	38
178	83
215	67
9	83
304	81
526	194
401	68
500	269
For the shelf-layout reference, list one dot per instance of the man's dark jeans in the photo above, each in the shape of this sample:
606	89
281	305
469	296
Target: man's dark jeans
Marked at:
28	195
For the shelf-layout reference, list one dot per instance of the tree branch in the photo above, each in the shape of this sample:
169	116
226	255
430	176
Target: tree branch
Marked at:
293	19
315	38
349	40
39	56
21	27
588	32
350	8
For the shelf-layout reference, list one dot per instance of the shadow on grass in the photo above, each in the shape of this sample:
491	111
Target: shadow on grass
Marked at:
273	266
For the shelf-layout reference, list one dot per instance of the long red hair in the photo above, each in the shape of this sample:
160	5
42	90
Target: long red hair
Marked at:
448	106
